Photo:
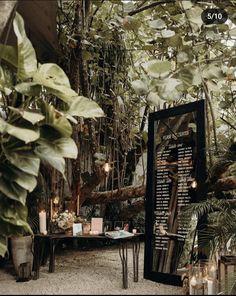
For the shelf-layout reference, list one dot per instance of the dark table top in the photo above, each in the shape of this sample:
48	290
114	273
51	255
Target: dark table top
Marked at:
87	236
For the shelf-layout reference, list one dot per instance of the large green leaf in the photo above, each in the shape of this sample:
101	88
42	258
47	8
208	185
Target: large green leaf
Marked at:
66	147
167	89
15	214
49	155
51	75
26	181
30	116
28	88
185	76
157	68
194	15
232	33
212	71
27	62
63	147
157	24
6	80
139	87
84	107
12	190
3	246
154	99
23	134
26	161
62	92
55	80
131	23
167	33
56	120
182	57
9	54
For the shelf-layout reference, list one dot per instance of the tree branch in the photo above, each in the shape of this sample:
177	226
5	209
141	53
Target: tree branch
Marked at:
228	123
115	195
224	184
122	194
154	4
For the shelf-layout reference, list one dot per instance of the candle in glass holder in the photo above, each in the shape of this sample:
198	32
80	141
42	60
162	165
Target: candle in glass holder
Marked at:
134	231
42	222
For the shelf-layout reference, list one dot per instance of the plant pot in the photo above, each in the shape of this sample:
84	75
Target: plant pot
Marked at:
21	248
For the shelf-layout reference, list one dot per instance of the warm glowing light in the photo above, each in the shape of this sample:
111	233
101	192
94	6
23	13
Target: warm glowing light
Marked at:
56	200
213	268
107	167
194	184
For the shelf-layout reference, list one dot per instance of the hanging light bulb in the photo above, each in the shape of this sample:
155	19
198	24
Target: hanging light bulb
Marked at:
194	184
107	167
56	200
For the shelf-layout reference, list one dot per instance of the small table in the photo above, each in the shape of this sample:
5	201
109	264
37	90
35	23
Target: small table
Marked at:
53	239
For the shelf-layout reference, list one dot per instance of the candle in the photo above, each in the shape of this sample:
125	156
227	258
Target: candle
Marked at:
51	209
42	222
210	287
134	231
212	272
192	285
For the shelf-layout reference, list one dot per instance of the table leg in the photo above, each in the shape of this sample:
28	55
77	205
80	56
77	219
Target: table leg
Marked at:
123	252
136	249
36	260
52	246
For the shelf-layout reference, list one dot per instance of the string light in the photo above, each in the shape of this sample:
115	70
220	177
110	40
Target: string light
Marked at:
56	200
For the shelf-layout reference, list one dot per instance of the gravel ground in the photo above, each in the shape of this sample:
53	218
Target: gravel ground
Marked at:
90	272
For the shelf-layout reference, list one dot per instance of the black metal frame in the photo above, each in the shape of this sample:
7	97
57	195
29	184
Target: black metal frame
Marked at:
41	240
197	107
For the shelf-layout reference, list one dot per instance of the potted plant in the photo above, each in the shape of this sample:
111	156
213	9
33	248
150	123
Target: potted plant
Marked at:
32	129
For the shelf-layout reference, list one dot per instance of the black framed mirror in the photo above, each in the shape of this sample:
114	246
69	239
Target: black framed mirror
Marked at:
176	175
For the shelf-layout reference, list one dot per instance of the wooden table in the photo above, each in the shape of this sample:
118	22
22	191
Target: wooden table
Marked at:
53	239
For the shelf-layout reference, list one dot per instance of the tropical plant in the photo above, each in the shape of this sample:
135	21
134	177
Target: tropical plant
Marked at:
37	109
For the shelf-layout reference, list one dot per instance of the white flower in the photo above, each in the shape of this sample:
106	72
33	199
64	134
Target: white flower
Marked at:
65	219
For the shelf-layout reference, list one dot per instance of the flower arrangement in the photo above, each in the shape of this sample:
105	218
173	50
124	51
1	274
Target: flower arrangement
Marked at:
64	219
